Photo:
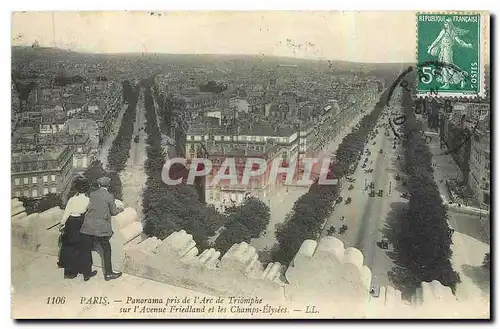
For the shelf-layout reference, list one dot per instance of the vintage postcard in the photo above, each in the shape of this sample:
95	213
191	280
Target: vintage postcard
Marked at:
250	165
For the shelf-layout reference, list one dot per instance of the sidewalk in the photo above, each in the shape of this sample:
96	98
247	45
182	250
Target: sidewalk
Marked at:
445	169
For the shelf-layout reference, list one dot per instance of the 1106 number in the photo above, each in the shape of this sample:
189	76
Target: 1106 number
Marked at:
56	300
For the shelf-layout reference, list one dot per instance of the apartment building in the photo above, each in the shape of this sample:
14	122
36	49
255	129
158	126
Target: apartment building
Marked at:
226	194
480	163
38	173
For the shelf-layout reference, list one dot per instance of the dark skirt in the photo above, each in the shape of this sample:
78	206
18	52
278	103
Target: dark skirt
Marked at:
69	256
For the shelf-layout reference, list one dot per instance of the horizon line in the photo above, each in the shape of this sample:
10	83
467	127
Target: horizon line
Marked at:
204	54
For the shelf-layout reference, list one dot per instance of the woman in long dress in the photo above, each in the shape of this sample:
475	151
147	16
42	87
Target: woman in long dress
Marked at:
442	47
69	256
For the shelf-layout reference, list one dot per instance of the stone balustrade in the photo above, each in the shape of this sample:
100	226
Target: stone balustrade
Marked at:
40	232
325	274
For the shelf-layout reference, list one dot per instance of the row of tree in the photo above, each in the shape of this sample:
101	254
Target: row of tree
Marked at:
422	236
120	149
170	208
312	209
165	109
351	149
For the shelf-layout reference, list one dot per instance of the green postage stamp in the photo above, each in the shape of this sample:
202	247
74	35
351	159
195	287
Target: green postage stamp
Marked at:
451	54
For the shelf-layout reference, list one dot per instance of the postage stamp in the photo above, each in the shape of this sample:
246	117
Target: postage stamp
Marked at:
450	54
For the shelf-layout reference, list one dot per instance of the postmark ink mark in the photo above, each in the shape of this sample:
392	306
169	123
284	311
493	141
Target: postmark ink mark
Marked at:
443	106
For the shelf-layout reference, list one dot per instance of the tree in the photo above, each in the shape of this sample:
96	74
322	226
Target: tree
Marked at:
235	232
47	202
96	171
29	204
422	242
115	187
252	213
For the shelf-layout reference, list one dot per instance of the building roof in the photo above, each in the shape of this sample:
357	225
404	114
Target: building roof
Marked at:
218	150
32	156
60	138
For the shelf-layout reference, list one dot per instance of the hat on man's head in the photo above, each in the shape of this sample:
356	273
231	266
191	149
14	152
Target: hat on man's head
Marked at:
104	181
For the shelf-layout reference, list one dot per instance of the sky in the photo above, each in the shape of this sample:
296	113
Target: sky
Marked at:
335	35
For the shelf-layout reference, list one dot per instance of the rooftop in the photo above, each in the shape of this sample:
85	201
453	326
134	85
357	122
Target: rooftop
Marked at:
32	156
61	138
218	150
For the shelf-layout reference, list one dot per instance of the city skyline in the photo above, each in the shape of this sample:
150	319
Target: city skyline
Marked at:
305	35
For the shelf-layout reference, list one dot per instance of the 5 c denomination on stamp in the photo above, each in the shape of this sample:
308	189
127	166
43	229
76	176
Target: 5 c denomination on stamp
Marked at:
450	54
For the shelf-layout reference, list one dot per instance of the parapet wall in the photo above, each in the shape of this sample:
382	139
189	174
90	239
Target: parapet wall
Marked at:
324	274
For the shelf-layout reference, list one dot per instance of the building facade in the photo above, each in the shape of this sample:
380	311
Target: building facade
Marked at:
480	164
35	174
225	194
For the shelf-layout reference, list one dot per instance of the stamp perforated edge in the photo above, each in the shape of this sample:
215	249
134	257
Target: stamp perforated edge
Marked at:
483	42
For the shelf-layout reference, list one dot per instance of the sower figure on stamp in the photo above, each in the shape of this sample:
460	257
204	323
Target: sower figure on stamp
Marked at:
97	228
442	47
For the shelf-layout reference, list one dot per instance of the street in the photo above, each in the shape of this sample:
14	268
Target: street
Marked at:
133	177
365	216
282	202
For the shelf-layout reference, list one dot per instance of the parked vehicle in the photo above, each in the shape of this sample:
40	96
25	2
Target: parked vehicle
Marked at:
380	151
136	138
348	200
383	244
350	187
374	143
339	199
380	193
372	193
397	177
372	185
405	195
363	165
